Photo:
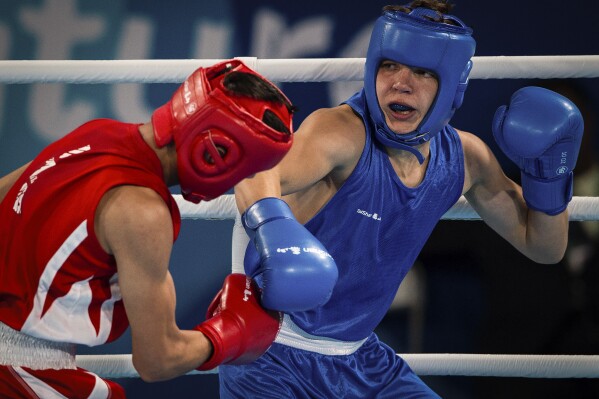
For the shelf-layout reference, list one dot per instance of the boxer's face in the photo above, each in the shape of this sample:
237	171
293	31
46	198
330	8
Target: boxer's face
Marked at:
405	95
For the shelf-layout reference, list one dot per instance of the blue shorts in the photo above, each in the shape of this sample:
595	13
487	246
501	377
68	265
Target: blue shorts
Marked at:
374	370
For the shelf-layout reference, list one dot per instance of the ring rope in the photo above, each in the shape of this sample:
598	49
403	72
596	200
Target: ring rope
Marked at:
224	207
279	70
439	364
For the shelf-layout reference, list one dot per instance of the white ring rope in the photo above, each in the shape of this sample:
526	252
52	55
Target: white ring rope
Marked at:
224	207
447	364
279	70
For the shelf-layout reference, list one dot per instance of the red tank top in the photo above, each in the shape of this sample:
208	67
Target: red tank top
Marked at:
56	282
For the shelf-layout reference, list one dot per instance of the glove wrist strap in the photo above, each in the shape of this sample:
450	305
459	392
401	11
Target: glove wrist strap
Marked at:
549	196
263	211
225	348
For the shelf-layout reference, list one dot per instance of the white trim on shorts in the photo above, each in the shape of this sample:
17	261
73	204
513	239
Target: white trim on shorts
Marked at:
292	335
21	350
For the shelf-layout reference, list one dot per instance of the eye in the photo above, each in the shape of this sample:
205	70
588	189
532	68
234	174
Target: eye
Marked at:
424	73
389	65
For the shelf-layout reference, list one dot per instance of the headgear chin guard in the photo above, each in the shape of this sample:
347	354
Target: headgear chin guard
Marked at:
415	41
220	137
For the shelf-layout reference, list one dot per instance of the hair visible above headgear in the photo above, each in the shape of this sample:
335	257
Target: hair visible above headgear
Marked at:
245	84
441	6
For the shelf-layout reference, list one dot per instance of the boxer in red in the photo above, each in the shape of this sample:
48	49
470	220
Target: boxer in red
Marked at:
88	228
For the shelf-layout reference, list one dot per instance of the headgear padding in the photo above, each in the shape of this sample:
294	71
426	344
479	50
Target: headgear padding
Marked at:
220	137
414	41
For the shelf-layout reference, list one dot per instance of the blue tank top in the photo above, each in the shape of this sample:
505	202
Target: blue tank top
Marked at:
375	227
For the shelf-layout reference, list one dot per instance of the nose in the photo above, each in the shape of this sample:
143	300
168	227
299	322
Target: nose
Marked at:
402	79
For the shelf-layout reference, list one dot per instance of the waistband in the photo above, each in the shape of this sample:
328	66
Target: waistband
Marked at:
292	335
18	349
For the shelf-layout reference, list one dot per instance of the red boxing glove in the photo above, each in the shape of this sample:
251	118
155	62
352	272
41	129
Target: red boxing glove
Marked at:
240	329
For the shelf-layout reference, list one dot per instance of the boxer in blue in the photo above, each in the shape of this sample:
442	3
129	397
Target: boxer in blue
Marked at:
337	224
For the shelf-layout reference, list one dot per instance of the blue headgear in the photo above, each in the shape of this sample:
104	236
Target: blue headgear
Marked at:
412	40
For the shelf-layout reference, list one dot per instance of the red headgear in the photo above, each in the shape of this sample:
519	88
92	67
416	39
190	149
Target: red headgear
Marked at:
203	117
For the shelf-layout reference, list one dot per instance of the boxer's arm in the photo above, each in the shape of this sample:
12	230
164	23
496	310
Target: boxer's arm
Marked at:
540	131
327	140
499	202
134	224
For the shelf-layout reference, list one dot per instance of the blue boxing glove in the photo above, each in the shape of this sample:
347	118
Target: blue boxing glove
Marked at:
541	132
295	270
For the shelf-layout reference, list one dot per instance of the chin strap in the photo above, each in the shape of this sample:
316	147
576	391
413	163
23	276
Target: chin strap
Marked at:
416	153
396	144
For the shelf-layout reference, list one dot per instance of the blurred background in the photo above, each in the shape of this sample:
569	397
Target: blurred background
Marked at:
469	292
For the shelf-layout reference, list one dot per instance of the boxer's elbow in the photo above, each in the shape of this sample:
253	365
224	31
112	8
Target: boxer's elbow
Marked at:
154	368
148	372
549	255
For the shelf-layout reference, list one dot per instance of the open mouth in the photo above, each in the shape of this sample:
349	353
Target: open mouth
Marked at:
401	108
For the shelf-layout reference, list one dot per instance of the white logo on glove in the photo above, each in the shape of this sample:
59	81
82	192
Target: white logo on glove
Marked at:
298	251
247	293
563	169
